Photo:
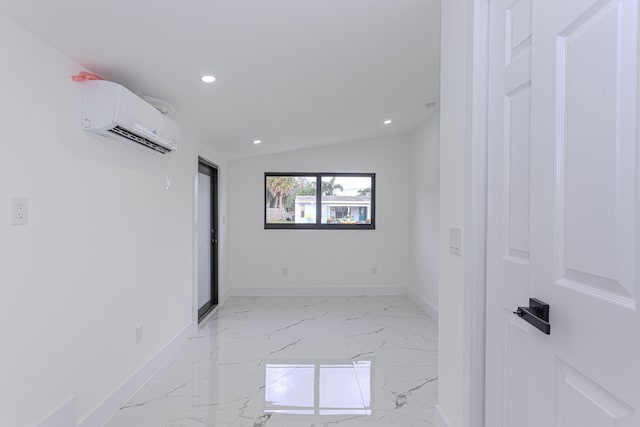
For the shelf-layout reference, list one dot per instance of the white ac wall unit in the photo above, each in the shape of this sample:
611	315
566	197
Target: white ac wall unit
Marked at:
111	110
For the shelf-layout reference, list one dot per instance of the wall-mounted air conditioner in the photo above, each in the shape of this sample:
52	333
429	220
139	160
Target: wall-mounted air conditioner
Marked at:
111	110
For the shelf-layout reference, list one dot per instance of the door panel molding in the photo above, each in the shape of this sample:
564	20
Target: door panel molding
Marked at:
596	405
596	148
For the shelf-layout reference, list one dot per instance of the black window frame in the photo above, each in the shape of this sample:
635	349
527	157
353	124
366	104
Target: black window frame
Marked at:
318	225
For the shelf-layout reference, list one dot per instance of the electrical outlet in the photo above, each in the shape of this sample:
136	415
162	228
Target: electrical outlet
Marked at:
139	334
374	271
19	211
285	271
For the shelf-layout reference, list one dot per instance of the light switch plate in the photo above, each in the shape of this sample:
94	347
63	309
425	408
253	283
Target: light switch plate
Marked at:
455	240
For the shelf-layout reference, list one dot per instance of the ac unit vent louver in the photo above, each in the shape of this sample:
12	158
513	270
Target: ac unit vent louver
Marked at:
140	140
111	110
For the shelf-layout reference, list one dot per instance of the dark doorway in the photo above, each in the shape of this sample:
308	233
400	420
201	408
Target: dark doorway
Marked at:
207	238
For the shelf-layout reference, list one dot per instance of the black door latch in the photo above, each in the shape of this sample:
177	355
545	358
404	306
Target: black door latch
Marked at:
537	314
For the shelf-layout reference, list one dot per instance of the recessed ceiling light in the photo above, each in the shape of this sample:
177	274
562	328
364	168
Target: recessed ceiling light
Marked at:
257	141
387	122
208	78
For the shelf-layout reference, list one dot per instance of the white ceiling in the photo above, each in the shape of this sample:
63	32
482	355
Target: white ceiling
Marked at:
293	73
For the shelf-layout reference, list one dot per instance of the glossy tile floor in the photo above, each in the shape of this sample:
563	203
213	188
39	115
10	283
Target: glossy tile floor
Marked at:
298	361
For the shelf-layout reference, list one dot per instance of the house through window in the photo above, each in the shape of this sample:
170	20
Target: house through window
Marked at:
320	200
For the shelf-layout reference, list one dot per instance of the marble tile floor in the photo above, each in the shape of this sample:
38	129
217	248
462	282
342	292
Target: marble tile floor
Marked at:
297	361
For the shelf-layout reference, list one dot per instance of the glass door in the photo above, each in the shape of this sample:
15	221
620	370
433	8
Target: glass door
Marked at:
207	238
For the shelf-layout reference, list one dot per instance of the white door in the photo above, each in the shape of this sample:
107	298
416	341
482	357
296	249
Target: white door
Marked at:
563	213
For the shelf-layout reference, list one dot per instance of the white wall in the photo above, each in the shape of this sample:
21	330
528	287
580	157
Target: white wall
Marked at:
322	258
424	202
455	96
106	249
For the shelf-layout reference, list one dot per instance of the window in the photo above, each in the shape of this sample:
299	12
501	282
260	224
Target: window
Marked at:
319	201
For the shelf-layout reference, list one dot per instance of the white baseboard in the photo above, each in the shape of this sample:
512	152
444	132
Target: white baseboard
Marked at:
441	419
224	297
99	416
424	305
328	291
63	416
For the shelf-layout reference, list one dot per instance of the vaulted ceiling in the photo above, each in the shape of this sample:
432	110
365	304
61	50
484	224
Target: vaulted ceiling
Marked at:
291	73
